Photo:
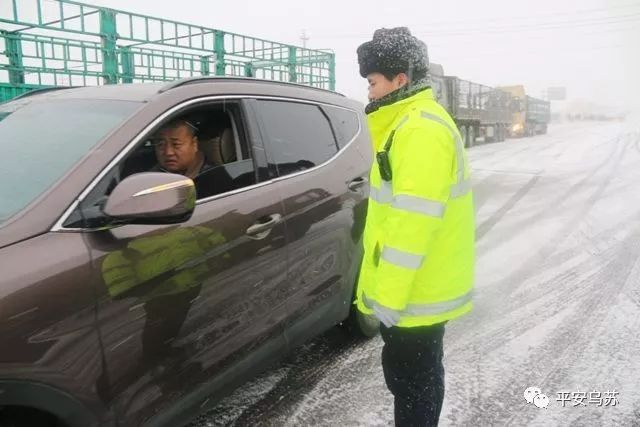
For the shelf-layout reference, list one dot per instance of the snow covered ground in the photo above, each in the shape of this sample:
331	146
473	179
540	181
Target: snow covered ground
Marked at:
557	303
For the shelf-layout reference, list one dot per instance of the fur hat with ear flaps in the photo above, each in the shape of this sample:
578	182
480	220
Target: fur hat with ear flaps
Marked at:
394	51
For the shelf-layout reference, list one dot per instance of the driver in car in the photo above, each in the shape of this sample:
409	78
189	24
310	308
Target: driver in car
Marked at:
176	146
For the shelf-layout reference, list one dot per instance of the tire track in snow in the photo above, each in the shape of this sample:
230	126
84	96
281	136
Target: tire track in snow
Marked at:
506	286
566	196
492	298
585	313
489	223
613	281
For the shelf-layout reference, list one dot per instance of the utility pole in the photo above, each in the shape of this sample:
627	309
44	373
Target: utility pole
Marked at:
304	37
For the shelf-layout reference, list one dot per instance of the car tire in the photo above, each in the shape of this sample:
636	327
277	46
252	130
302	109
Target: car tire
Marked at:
501	133
472	136
25	417
362	325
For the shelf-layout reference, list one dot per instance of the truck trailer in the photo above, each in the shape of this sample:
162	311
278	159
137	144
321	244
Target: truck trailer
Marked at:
529	115
480	111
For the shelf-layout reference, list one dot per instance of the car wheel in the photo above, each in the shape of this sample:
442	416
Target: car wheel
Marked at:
25	417
362	325
472	136
465	136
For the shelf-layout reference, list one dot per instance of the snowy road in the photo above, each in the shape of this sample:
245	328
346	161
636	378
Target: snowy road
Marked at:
557	303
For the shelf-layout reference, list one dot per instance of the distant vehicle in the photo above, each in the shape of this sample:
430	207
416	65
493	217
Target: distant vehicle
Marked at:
479	111
529	115
132	297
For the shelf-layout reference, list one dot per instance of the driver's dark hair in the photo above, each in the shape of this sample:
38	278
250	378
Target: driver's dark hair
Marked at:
179	122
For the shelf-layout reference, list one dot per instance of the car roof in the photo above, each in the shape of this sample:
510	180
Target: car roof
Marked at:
144	92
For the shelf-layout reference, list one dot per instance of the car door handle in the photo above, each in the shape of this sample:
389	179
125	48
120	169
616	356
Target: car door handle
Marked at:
264	225
357	183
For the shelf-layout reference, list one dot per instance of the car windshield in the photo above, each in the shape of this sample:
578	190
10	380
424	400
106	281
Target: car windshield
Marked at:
41	140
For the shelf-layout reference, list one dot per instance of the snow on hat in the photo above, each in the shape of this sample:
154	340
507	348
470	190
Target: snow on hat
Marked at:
393	51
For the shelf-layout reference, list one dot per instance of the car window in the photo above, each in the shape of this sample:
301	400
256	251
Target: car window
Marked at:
345	124
299	135
224	160
42	140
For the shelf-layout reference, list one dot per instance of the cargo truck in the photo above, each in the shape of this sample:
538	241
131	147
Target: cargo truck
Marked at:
480	112
529	115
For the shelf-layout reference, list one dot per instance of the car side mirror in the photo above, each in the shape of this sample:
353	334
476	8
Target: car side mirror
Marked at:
152	198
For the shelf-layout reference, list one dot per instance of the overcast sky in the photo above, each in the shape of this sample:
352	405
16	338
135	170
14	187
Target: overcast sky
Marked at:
590	46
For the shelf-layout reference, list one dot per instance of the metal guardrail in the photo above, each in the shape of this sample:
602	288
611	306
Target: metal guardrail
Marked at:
67	43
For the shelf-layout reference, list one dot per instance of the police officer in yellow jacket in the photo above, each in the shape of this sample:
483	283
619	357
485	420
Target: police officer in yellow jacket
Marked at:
417	271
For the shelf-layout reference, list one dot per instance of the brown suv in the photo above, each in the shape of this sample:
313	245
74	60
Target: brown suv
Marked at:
130	296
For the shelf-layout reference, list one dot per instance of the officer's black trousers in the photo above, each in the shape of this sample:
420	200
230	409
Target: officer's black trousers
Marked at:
413	371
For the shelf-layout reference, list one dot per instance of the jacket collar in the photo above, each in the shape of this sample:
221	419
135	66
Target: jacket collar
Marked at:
398	95
385	116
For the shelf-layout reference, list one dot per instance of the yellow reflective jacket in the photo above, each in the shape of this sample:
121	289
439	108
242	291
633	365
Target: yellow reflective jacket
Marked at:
419	234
